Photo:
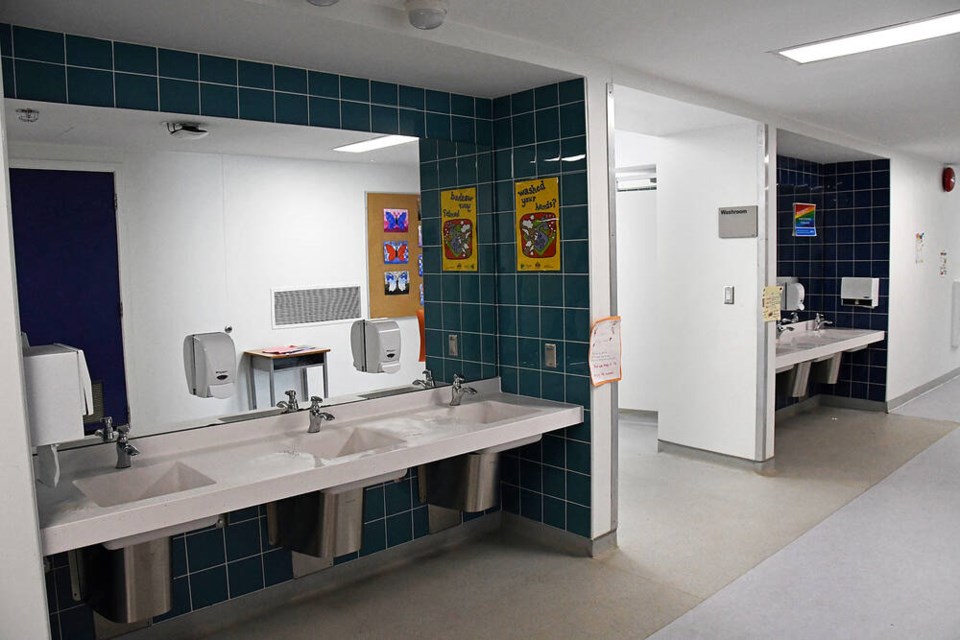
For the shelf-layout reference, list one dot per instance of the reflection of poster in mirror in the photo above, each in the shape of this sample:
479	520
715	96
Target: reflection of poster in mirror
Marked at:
458	231
396	252
538	224
396	283
396	220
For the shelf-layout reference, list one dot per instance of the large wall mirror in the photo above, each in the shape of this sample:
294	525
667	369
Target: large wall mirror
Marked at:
205	233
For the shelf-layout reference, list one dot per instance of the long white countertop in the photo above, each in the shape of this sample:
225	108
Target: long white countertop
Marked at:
805	344
259	461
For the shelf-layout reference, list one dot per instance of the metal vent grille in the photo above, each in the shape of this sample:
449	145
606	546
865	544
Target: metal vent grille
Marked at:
97	417
293	307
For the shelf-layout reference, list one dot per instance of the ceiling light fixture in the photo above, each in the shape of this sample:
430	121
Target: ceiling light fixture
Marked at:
916	31
426	14
323	3
186	130
375	143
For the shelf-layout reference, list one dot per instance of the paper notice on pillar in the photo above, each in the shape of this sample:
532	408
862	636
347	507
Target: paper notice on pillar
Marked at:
771	303
605	350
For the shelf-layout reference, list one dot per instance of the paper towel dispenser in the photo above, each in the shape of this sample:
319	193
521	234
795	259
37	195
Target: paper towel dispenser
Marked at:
376	346
210	362
860	292
792	294
58	391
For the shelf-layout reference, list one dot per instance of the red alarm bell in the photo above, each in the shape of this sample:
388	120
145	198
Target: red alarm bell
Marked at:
949	179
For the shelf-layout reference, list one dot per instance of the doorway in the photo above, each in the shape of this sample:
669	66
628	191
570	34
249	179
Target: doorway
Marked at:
68	274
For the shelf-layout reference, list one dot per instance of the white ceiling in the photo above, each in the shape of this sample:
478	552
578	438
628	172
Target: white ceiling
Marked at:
653	115
904	97
130	130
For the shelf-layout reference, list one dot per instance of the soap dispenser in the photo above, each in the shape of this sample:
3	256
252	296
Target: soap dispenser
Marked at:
376	346
210	362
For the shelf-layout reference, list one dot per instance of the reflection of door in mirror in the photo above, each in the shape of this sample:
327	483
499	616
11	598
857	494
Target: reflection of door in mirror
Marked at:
68	276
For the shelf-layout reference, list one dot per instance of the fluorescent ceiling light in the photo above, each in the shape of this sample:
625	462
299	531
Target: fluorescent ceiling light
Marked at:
376	143
945	25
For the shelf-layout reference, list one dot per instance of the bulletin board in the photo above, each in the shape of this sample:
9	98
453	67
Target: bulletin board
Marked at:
394	254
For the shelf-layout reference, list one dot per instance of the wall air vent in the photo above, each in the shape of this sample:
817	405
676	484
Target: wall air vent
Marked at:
305	306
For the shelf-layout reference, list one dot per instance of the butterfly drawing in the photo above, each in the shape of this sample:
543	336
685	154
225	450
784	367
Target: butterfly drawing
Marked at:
420	265
396	252
396	283
396	221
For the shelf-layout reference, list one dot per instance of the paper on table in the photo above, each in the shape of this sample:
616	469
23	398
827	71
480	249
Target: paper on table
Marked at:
282	351
604	355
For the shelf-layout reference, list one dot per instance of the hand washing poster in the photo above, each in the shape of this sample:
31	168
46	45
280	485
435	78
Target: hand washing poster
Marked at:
458	219
538	224
804	220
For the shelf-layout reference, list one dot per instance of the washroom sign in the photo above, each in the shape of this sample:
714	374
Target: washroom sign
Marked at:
458	217
538	224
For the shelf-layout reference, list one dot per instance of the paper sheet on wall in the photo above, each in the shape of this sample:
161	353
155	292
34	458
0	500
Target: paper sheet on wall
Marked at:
771	304
604	355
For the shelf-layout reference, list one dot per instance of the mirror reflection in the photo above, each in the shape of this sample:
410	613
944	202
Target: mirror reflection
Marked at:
231	270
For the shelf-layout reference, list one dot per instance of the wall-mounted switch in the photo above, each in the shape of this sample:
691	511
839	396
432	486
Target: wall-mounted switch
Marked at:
453	350
550	355
728	295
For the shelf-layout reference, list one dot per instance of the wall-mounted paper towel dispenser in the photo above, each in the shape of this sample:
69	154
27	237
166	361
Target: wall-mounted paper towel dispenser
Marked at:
210	363
376	346
59	393
860	292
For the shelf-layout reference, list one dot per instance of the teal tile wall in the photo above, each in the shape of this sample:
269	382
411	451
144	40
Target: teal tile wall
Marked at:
540	133
55	67
501	317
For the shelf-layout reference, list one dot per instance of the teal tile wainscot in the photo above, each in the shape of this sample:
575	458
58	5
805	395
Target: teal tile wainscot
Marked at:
502	318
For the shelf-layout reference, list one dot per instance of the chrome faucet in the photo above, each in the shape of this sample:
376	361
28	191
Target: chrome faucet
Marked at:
820	322
107	433
316	415
782	327
459	389
428	382
125	450
794	318
290	404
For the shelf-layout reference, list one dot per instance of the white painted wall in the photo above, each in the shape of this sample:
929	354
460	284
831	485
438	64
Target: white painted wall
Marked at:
23	595
709	378
920	302
637	299
203	240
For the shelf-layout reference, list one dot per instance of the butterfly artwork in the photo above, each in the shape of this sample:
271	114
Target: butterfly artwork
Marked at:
420	235
421	294
396	283
396	252
396	220
420	265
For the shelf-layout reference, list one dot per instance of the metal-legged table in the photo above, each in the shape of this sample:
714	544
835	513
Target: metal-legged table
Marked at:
272	362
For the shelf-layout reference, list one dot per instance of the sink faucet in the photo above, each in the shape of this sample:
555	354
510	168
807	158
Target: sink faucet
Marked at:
107	433
290	404
782	327
125	450
820	322
316	415
459	389
428	382
794	318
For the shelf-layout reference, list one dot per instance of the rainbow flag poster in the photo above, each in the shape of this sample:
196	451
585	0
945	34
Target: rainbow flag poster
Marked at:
804	220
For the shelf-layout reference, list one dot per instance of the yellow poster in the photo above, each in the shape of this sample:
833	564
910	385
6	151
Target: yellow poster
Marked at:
538	224
458	230
771	303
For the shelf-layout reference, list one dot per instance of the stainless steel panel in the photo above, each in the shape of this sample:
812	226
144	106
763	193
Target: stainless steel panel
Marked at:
128	584
470	482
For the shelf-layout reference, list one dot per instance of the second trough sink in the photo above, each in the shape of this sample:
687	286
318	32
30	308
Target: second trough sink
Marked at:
329	444
482	412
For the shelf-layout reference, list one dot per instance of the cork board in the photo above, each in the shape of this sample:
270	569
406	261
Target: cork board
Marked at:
393	249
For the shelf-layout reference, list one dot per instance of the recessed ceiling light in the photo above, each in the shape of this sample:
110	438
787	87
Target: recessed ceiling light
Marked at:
376	143
323	3
916	31
426	14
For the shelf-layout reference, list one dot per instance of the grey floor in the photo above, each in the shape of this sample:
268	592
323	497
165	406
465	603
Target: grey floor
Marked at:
688	529
942	403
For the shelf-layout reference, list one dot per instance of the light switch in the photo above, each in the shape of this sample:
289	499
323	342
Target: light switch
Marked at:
728	295
453	350
550	355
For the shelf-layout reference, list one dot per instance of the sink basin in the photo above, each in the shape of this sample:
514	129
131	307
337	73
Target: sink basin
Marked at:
482	412
140	483
338	443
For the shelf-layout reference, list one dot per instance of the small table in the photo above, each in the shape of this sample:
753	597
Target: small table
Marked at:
273	362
